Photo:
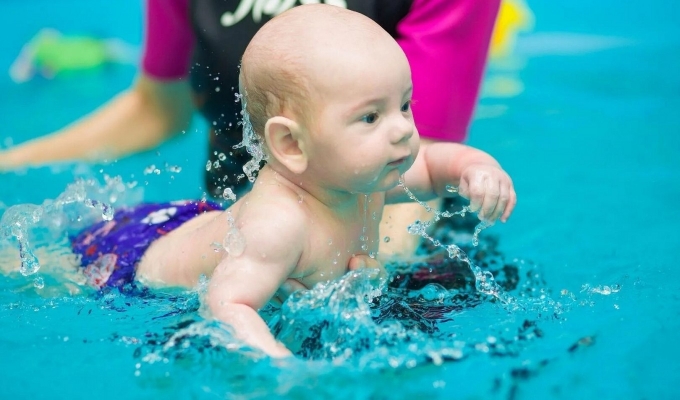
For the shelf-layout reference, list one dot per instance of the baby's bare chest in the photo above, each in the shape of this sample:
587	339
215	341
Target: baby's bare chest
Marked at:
333	244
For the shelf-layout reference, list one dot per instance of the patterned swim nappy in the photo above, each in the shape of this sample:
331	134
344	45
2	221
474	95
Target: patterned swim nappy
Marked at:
110	250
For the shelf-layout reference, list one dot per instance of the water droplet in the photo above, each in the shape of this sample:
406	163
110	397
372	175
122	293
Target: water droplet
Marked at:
478	229
208	165
228	194
452	189
107	212
151	169
386	239
39	282
234	243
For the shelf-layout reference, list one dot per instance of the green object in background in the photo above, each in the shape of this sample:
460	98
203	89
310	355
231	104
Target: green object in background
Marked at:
50	53
59	53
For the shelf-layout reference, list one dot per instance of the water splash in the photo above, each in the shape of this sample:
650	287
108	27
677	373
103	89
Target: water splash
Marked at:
106	209
353	322
349	326
438	215
57	216
251	141
342	304
484	280
234	243
478	229
229	195
364	235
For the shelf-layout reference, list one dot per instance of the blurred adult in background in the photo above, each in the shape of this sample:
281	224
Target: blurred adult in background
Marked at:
192	49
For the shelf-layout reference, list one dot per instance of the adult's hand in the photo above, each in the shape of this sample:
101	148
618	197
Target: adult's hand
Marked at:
358	262
363	261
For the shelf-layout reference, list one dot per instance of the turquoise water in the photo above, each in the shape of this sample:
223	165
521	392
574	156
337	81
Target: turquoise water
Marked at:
591	140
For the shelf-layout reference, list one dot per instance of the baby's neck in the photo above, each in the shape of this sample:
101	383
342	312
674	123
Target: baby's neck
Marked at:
334	199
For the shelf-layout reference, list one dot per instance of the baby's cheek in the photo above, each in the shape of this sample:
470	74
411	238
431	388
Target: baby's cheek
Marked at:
415	147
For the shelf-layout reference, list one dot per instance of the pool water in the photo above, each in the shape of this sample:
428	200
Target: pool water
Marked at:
583	116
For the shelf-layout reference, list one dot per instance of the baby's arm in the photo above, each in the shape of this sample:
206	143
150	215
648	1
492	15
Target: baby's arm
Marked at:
240	285
477	175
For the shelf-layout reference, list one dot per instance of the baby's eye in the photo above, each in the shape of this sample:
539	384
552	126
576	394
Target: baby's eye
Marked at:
406	106
370	118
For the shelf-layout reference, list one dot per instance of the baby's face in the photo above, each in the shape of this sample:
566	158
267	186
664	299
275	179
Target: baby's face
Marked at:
363	134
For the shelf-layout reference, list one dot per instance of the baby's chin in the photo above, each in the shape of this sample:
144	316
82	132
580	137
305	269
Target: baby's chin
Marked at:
389	181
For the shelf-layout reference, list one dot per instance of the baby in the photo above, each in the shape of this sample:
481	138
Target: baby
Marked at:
328	92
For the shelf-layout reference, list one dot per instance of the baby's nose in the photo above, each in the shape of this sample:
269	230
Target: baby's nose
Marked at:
403	130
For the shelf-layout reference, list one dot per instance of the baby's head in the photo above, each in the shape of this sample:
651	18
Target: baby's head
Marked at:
328	90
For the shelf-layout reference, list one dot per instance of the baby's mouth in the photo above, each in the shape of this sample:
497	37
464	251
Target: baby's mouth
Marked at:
398	162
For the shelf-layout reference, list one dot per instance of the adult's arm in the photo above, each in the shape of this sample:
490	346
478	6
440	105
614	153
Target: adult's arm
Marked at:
157	106
446	43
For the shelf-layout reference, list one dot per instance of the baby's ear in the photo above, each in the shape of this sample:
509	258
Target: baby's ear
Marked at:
286	143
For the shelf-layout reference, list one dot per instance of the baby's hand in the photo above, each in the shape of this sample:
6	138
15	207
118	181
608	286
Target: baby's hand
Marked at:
489	190
363	261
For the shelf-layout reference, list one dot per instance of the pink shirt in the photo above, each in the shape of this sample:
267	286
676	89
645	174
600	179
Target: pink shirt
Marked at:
446	42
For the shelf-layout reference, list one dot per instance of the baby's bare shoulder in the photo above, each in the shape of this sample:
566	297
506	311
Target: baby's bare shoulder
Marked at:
272	211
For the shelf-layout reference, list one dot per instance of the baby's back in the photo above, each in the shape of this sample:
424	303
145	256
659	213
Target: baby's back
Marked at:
332	235
180	257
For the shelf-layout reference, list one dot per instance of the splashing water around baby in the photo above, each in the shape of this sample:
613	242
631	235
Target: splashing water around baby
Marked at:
18	222
251	141
484	280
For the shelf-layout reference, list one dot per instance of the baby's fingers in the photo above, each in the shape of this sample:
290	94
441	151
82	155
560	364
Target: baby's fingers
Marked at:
512	201
502	203
474	193
491	194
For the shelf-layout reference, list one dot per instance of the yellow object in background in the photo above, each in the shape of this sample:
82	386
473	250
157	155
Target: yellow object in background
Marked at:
514	16
502	78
